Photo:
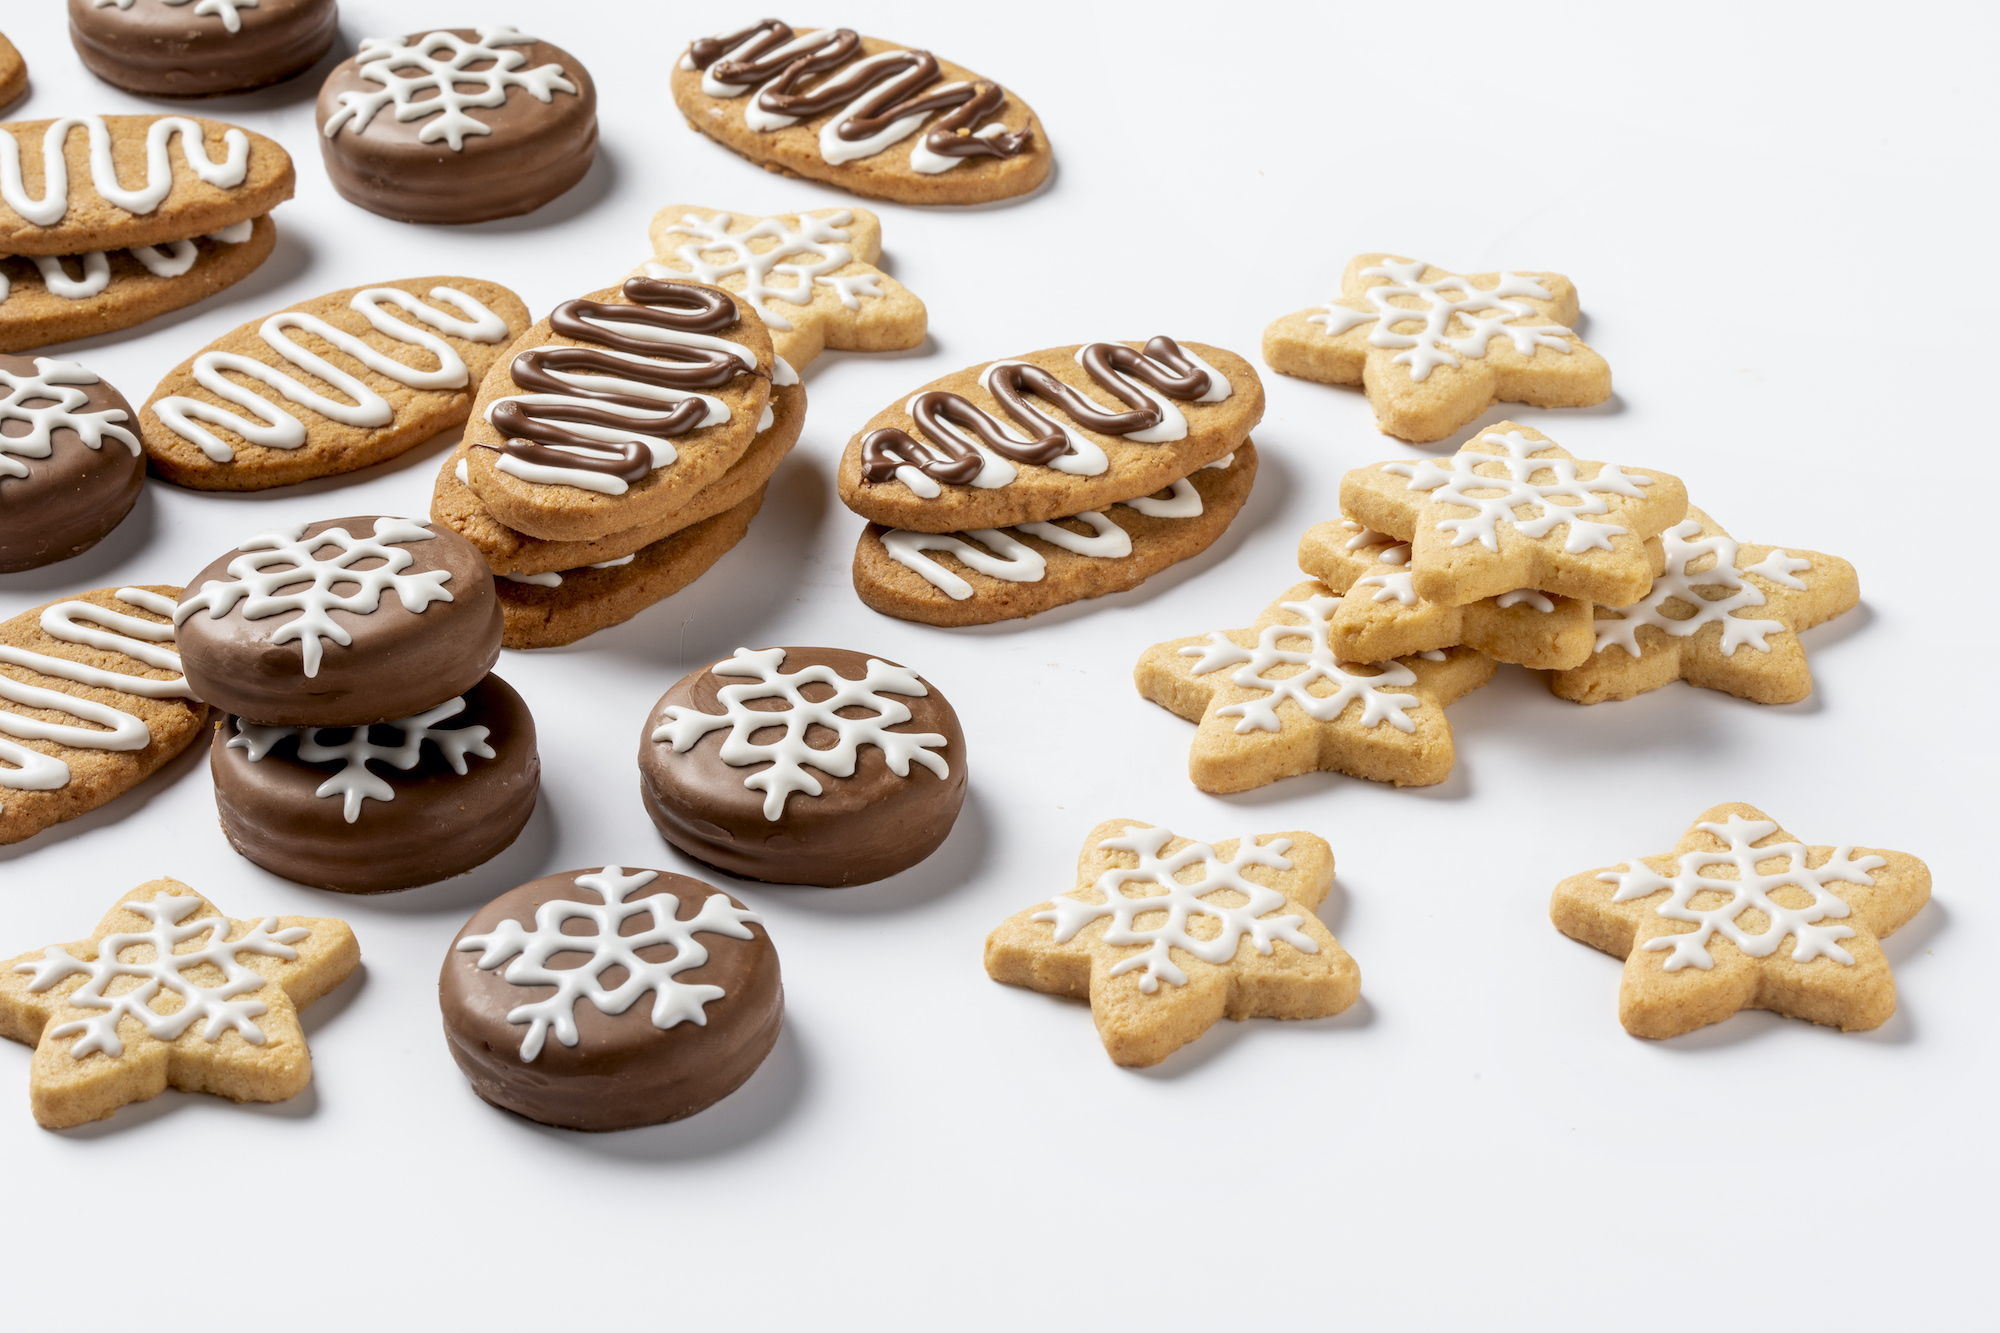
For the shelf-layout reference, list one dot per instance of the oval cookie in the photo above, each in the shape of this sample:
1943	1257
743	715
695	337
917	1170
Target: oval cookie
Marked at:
13	74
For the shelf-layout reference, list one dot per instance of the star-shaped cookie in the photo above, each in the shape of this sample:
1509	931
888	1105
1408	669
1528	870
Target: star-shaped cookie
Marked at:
1724	616
169	992
811	276
1741	915
1513	509
1433	349
1164	935
1272	701
1381	616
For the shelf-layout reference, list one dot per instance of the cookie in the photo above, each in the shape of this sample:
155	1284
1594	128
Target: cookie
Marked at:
371	809
200	48
13	74
106	182
617	409
551	609
1433	349
610	999
457	125
804	766
1273	702
1742	915
252	410
509	552
54	298
1165	935
1513	509
811	277
861	113
944	460
92	703
1724	616
1381	616
341	623
978	577
170	993
69	463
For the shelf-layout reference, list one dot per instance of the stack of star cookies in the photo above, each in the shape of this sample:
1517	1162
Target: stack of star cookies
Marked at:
618	453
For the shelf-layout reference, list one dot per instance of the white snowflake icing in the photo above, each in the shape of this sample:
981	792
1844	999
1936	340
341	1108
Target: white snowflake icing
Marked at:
455	89
1171	899
1530	475
278	560
1255	670
57	389
611	949
1748	891
165	971
1714	595
789	757
1480	315
802	257
354	782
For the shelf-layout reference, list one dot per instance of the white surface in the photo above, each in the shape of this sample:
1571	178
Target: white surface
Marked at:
1779	219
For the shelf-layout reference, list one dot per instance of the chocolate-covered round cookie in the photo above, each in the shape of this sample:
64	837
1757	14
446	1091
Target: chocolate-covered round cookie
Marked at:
70	466
613	998
340	623
458	125
200	48
804	766
392	806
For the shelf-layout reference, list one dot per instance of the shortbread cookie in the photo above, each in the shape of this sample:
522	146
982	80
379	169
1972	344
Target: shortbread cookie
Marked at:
1164	935
977	577
53	298
1741	915
804	766
105	182
1272	701
1724	616
1513	509
457	125
1433	349
13	74
861	113
1381	616
92	702
200	48
975	450
170	993
340	623
509	552
617	409
550	609
609	999
401	360
70	468
392	806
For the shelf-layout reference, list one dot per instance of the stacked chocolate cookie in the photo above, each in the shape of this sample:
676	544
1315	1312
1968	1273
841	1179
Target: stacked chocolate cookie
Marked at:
619	453
368	748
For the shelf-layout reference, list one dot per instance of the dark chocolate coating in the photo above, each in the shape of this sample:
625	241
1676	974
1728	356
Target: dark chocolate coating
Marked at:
623	1072
537	150
439	823
400	661
163	50
71	499
858	830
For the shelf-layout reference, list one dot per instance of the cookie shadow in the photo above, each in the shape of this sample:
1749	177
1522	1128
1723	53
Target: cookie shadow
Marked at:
1224	1036
573	203
133	533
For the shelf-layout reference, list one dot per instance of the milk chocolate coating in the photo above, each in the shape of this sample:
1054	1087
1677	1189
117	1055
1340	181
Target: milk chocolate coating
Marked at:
439	823
859	829
398	663
536	151
71	499
623	1071
163	50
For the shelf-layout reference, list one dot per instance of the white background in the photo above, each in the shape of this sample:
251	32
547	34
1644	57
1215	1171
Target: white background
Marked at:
1780	220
